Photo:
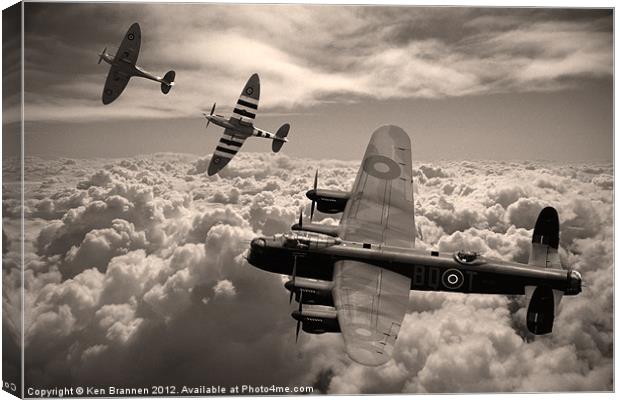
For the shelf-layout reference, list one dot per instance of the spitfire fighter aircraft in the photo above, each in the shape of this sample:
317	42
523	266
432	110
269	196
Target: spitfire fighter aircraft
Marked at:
123	67
240	126
355	278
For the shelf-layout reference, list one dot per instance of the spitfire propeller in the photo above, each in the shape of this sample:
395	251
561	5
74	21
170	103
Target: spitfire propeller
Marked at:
205	114
101	55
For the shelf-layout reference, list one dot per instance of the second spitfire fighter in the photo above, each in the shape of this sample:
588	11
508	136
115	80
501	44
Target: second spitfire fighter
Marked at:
355	278
240	126
123	67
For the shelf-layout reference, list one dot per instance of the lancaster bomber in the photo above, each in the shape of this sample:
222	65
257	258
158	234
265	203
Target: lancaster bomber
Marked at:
355	278
240	126
123	67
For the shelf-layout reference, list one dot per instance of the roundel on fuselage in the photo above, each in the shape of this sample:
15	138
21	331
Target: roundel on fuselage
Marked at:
452	279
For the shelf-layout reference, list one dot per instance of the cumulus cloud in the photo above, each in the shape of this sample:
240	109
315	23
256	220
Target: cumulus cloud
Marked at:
129	264
312	55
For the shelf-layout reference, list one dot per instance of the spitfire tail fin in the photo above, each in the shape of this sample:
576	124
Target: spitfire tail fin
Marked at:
168	82
280	138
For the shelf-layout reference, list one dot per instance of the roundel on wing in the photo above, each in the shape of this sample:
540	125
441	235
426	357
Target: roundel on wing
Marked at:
249	90
452	279
131	36
381	167
108	91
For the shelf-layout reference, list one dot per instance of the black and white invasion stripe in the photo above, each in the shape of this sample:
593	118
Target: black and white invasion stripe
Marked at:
246	108
228	146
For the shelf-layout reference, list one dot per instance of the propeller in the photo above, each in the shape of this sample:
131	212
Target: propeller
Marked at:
208	120
290	299
316	180
101	55
301	293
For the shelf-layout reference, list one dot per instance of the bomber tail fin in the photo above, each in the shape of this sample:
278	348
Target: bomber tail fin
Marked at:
546	239
280	138
168	82
544	301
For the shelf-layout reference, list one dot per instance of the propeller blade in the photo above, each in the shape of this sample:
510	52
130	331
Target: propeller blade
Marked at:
294	268
316	178
213	108
301	218
101	55
301	301
313	206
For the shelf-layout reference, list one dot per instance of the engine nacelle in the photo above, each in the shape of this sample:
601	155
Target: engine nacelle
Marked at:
542	307
329	201
318	319
311	291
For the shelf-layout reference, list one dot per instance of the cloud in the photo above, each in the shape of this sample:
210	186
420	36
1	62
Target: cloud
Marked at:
311	56
132	267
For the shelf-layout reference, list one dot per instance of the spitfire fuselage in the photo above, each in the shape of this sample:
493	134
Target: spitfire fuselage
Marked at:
126	68
241	128
428	270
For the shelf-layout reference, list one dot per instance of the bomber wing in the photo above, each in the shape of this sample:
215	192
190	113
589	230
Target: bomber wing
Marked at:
128	52
247	104
380	209
372	301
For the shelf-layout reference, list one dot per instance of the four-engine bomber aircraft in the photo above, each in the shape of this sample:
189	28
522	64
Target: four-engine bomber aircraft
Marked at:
123	67
240	126
355	278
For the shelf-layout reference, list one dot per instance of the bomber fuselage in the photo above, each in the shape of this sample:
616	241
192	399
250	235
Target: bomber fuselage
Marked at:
315	256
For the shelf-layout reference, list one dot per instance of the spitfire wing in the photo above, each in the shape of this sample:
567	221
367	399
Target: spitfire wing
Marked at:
130	46
247	104
127	52
226	149
372	301
114	85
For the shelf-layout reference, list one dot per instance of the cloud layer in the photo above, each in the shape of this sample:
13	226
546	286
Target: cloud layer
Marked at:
306	55
135	269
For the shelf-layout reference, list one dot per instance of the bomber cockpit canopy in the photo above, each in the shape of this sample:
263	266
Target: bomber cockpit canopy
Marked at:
304	240
467	257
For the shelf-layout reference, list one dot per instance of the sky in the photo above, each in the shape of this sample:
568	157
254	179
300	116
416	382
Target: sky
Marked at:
466	83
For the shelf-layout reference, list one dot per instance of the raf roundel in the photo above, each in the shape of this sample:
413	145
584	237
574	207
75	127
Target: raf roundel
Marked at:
249	90
382	167
131	36
452	279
